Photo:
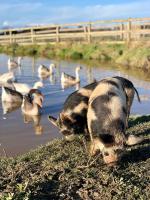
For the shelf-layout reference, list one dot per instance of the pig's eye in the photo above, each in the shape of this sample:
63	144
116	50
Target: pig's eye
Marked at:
106	154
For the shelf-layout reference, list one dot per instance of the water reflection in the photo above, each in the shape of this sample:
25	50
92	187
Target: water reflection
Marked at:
33	65
9	107
90	78
52	79
38	128
65	85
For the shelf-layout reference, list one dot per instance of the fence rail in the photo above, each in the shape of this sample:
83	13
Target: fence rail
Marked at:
137	29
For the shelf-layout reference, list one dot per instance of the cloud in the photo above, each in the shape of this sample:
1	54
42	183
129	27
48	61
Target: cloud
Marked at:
20	14
5	23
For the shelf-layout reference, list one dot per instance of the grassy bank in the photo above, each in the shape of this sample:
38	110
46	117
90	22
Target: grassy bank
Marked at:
137	55
61	170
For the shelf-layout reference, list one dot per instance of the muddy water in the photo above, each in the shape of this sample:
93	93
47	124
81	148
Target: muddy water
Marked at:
19	134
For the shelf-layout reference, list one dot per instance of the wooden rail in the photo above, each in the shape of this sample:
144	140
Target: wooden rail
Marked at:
137	29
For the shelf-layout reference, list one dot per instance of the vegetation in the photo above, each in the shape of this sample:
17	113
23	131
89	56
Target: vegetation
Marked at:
137	55
62	170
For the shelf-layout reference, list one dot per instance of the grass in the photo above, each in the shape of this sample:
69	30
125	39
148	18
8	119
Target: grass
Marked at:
62	170
137	54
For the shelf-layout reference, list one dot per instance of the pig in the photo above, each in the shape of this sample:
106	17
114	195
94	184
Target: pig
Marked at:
106	119
72	119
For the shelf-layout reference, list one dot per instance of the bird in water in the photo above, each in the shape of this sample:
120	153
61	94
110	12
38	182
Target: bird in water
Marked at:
44	71
13	64
67	79
32	103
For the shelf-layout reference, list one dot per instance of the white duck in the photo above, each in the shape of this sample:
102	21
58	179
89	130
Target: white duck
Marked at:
45	71
24	88
32	103
70	80
13	64
6	77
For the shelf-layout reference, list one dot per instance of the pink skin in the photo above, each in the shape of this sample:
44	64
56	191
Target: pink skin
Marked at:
111	159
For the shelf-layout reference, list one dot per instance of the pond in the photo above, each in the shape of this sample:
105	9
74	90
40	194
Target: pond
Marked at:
19	134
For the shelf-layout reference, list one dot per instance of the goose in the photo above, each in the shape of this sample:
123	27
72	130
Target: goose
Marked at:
24	88
70	80
10	106
13	64
11	95
44	71
6	77
32	104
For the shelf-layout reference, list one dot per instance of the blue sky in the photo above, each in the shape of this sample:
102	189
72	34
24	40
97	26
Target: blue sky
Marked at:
30	12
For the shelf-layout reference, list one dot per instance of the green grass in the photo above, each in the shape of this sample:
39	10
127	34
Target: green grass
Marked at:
133	55
63	170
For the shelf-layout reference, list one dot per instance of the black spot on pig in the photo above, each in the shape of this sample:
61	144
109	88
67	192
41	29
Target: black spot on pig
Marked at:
111	83
103	99
107	139
112	94
91	86
80	123
117	125
99	127
75	98
124	110
125	82
74	101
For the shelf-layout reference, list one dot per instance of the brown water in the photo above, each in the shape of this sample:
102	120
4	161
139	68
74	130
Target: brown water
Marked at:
19	135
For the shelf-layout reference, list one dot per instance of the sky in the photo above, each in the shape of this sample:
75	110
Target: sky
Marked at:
16	13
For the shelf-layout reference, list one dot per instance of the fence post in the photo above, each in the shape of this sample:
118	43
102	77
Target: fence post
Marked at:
57	34
89	33
129	27
32	33
85	32
10	34
122	31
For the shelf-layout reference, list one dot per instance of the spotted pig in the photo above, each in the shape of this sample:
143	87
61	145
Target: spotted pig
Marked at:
72	119
107	117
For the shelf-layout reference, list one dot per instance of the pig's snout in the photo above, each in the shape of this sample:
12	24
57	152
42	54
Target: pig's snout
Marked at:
113	157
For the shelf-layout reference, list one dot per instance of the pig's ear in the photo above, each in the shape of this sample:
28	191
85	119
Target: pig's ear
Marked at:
107	139
62	116
53	120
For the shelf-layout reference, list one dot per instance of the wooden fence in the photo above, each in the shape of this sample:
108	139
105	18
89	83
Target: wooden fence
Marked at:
137	29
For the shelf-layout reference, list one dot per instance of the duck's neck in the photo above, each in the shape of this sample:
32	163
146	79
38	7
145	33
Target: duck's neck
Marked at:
51	69
19	61
77	75
9	61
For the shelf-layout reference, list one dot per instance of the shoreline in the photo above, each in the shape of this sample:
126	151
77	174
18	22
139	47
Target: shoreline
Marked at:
64	170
